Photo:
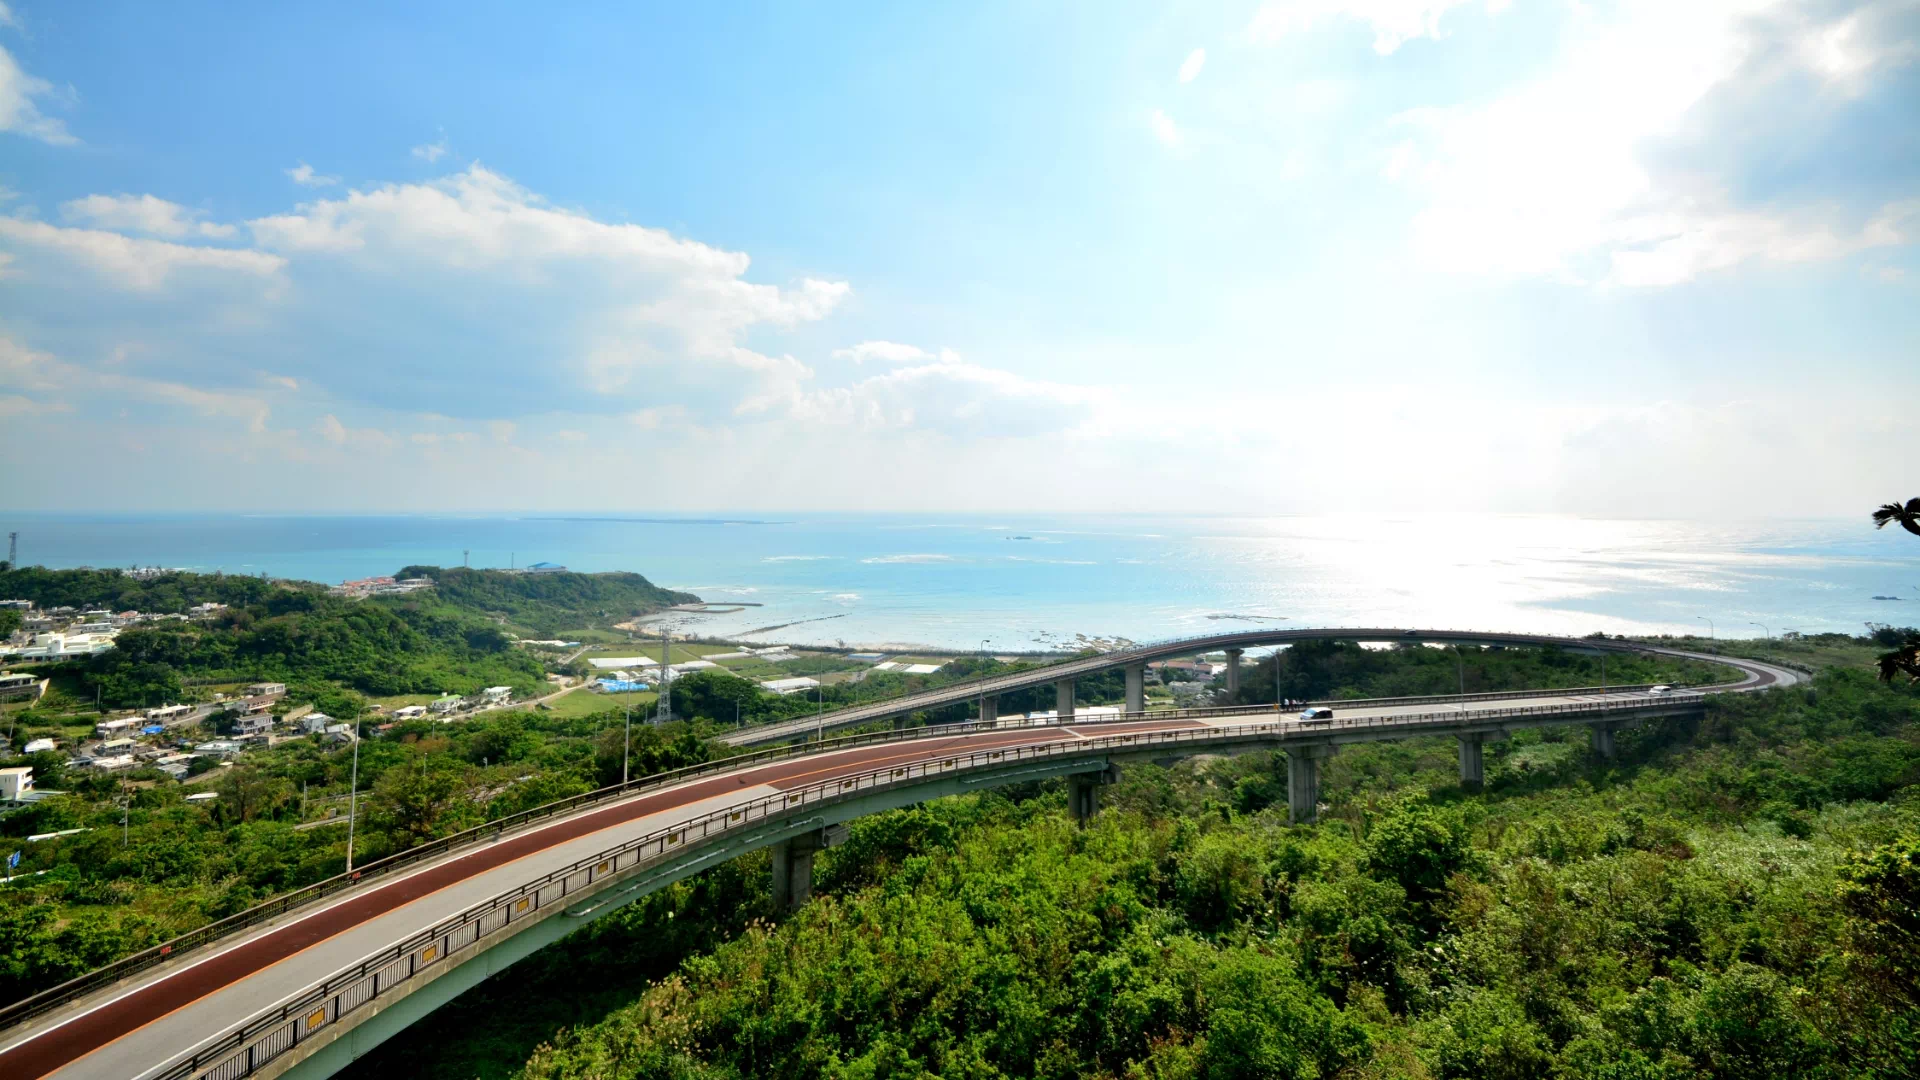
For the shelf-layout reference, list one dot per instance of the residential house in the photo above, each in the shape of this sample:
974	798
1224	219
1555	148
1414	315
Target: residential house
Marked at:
267	689
447	704
254	724
410	712
314	723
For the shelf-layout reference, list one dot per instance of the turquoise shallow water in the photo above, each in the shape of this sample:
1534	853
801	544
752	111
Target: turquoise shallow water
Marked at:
1025	582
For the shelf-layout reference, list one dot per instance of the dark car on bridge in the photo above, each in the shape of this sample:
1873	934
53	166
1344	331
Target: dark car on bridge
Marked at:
1314	715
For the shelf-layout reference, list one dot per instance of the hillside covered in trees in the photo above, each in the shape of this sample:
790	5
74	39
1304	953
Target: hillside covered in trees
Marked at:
549	603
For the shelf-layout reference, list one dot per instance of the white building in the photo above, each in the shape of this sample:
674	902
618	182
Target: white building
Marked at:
167	712
108	729
410	712
16	783
52	645
40	746
316	722
446	704
496	694
790	686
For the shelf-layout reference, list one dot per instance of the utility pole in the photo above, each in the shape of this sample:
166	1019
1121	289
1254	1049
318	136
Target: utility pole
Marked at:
820	716
666	673
353	792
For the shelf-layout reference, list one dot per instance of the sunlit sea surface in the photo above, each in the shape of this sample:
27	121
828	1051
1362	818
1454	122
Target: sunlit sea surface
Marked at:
1020	582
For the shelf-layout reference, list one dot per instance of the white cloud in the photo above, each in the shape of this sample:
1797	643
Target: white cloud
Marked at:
19	114
889	351
1164	128
304	175
26	369
1190	67
131	262
143	214
1554	178
955	398
7	17
1394	22
431	152
618	310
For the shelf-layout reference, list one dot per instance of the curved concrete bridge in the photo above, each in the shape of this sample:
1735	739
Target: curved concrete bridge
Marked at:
1063	675
309	988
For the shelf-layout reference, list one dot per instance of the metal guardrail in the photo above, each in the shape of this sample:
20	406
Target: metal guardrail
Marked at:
262	1039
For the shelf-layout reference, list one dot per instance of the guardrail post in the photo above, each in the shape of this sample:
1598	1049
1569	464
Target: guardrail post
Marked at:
1472	764
1083	793
1063	699
1303	781
1233	672
793	865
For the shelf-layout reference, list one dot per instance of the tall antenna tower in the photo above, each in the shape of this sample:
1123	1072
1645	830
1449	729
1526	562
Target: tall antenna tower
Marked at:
464	561
13	549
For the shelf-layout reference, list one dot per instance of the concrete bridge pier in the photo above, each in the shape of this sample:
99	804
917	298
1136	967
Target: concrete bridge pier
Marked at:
1603	740
1472	764
793	865
1233	670
989	708
1137	687
1303	781
1063	699
1083	793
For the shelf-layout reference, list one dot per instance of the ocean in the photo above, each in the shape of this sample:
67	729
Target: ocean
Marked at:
1021	582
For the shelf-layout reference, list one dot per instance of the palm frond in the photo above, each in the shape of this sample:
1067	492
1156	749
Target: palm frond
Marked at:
1886	513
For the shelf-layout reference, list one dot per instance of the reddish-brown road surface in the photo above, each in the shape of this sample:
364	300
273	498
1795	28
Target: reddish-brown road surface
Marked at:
126	1014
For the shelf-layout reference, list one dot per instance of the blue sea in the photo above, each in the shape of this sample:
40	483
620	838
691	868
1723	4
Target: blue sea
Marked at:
1019	582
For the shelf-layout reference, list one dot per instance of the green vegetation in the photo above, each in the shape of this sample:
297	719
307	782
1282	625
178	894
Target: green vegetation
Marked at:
550	604
1733	897
164	594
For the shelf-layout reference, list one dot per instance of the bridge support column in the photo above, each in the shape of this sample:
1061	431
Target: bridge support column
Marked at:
989	708
793	865
1136	688
1303	781
1233	670
1083	793
1063	699
1603	740
1472	764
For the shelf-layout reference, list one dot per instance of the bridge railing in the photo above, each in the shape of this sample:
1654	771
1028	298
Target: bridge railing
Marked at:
267	1036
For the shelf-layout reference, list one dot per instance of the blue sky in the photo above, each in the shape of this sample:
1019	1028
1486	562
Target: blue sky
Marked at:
1625	258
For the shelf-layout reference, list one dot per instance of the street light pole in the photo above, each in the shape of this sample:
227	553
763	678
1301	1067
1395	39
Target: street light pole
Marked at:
1769	653
1709	622
1461	661
983	689
820	716
353	792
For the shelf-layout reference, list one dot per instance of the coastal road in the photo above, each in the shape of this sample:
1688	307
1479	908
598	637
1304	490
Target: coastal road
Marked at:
141	1026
